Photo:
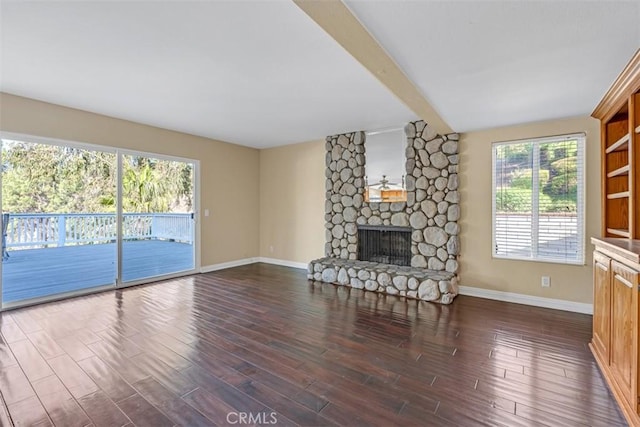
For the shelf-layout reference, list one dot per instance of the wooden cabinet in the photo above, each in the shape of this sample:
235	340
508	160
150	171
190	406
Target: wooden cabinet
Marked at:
617	179
616	269
616	261
388	196
619	115
601	305
624	319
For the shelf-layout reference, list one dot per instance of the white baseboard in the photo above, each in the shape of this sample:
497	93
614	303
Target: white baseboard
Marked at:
245	261
229	264
285	263
558	304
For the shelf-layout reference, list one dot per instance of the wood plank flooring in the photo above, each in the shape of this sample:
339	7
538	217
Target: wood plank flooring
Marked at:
262	343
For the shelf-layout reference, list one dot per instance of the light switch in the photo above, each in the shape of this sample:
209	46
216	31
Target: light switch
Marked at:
206	212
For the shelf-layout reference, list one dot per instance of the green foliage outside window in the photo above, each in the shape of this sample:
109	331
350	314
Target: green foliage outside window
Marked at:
41	178
558	177
523	178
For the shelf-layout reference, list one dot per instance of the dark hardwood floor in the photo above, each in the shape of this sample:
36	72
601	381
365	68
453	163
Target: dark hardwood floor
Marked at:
260	344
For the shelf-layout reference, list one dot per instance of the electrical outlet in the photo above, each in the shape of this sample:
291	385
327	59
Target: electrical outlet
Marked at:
271	249
546	281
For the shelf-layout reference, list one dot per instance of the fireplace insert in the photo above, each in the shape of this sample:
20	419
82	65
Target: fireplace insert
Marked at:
386	245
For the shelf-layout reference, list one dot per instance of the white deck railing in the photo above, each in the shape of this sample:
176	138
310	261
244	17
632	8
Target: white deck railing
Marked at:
26	231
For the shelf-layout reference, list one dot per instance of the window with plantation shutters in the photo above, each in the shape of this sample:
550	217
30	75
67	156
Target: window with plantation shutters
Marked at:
538	199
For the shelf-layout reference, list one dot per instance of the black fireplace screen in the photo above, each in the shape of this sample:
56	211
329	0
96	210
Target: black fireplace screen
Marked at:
386	245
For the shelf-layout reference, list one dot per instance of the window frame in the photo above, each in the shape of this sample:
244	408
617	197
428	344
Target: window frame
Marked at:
119	153
535	214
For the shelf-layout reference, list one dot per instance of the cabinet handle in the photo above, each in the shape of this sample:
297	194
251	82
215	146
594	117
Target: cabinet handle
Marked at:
624	280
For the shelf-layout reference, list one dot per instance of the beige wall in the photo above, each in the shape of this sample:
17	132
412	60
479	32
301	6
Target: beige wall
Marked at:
292	207
478	268
292	202
229	173
270	203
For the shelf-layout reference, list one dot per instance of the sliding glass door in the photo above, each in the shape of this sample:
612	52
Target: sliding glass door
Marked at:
77	218
58	220
157	217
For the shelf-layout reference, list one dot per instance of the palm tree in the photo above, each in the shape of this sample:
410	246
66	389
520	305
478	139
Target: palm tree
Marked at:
144	190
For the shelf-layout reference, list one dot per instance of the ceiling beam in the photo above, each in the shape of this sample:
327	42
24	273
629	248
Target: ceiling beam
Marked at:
338	21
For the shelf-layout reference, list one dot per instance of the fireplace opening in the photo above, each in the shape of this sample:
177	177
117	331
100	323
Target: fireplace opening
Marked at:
386	245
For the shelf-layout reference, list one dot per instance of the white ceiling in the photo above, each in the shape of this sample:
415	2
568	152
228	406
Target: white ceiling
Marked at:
262	73
484	64
253	73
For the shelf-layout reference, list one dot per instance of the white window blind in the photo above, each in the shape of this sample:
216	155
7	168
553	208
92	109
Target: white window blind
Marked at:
538	199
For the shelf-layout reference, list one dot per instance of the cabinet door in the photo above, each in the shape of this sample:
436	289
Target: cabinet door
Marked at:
624	351
601	305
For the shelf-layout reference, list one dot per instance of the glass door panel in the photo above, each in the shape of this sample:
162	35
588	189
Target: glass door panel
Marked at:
157	217
58	220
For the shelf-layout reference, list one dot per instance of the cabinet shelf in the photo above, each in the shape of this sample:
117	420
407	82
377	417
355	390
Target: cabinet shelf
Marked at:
618	145
618	232
620	195
624	170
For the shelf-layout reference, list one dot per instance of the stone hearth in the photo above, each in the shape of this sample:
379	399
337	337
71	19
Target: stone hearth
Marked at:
419	283
431	211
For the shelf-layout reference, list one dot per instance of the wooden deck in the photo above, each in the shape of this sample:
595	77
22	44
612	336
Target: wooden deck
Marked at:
262	340
42	272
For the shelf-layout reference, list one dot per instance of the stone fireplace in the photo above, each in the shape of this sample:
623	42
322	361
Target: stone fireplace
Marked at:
430	215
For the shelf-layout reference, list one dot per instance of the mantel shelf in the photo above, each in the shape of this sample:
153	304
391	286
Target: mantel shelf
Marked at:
624	170
618	145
